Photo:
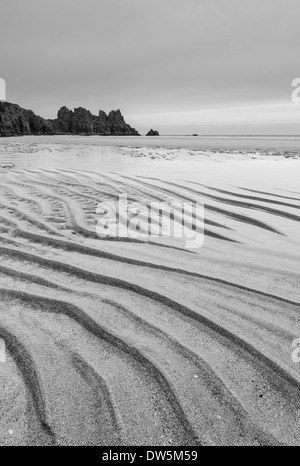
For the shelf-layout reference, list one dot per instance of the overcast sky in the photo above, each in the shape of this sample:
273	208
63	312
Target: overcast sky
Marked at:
180	66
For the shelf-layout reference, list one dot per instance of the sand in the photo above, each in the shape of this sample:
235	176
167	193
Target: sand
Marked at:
145	342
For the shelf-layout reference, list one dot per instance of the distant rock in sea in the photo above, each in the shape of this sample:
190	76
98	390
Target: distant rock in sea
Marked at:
16	121
152	132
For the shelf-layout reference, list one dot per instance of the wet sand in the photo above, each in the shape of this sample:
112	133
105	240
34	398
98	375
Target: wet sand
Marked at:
145	342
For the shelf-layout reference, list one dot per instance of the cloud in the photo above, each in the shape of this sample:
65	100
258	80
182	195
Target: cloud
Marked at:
162	56
276	118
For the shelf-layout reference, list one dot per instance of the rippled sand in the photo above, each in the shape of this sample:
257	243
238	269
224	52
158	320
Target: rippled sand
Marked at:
144	342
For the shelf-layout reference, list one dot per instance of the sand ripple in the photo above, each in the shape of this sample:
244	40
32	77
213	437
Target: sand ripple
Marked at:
143	342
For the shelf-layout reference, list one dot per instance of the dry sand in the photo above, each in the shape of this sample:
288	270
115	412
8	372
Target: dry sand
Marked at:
146	343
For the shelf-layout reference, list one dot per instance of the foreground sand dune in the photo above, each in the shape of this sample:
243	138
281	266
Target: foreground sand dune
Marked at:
146	343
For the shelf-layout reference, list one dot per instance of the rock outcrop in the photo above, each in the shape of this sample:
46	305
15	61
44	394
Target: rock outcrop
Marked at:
16	121
82	121
152	132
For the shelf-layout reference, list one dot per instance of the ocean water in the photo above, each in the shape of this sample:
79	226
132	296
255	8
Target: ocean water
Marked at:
220	143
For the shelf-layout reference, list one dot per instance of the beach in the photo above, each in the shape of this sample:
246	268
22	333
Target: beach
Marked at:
122	341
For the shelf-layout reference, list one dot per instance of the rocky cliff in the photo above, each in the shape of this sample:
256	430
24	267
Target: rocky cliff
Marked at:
16	121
